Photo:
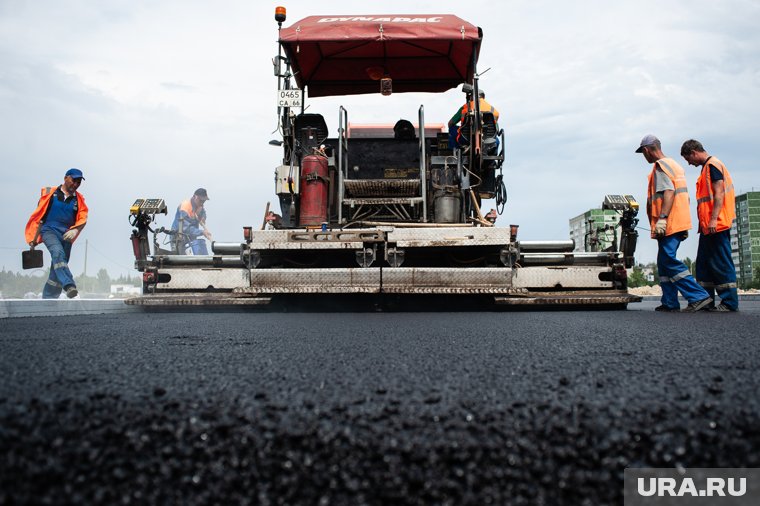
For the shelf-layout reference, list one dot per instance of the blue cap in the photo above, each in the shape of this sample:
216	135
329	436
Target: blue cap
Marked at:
75	173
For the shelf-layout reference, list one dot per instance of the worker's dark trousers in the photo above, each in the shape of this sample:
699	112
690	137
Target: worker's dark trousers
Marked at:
60	275
674	275
453	130
715	267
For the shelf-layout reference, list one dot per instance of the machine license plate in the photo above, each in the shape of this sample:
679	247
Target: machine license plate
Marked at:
289	98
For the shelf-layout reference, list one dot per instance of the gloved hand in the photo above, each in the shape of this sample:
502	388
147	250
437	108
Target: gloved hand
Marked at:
70	235
660	226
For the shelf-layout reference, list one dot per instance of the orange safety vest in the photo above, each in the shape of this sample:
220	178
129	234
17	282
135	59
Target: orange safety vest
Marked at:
187	207
705	202
484	107
32	231
679	218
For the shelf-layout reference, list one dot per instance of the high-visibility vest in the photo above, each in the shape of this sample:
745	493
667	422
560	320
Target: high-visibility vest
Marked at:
679	218
34	224
484	107
194	218
705	200
187	207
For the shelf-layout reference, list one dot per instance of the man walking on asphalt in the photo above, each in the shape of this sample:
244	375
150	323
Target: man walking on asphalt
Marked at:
670	221
60	216
716	210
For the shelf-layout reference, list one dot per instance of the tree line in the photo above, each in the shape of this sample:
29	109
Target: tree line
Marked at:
637	276
14	285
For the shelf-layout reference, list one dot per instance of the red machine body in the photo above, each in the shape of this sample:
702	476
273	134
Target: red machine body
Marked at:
314	191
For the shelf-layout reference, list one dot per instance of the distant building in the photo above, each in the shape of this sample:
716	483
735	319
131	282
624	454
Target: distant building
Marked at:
125	290
735	246
594	230
747	237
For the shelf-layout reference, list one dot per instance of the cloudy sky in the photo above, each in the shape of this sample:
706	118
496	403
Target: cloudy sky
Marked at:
156	98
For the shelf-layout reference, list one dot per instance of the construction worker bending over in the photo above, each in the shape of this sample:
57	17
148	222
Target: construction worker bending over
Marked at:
456	136
716	212
190	224
670	221
60	216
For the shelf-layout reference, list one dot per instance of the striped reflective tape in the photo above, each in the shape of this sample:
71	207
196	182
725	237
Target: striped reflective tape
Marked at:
666	168
659	195
680	275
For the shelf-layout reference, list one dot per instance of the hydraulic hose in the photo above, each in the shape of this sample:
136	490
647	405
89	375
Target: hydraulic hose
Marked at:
501	194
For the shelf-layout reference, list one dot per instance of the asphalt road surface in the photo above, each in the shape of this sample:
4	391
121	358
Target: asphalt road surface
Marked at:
443	408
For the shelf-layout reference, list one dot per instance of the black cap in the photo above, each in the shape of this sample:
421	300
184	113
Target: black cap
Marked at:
201	192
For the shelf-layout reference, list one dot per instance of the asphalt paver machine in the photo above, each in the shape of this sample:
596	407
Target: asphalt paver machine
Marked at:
388	210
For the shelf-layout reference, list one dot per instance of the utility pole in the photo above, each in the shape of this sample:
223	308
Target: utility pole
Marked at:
86	244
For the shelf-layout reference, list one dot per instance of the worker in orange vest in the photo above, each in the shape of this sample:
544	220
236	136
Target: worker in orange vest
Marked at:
716	210
670	221
457	121
60	216
190	224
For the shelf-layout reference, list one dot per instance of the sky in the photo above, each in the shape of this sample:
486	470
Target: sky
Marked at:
153	99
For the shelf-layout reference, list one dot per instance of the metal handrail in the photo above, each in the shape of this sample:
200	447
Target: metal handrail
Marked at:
423	162
342	145
503	150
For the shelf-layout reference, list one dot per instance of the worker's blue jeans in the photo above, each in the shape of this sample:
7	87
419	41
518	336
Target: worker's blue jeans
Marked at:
60	276
198	246
674	275
715	267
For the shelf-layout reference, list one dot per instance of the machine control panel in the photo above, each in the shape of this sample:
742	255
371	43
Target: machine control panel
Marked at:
287	179
620	202
148	206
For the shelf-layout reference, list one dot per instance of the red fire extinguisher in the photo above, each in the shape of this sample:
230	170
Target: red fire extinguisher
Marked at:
314	191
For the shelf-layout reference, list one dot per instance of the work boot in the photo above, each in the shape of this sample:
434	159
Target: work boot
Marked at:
71	291
697	306
667	309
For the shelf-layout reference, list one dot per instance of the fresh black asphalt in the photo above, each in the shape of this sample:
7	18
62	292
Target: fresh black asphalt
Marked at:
447	408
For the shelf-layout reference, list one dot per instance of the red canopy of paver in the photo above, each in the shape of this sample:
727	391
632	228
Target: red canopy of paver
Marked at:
348	55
